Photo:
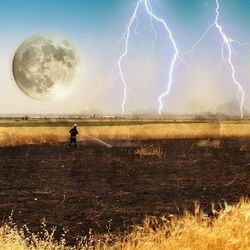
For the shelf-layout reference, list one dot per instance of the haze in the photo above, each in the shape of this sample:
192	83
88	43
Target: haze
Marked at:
94	27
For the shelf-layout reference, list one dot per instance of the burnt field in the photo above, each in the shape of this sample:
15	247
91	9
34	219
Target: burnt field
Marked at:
112	189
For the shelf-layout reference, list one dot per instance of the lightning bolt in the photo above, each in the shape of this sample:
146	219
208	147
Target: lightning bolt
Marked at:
226	44
175	56
126	36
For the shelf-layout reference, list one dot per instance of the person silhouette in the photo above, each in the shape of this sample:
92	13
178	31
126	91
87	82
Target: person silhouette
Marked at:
73	134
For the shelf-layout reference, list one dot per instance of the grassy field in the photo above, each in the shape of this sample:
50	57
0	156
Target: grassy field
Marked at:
200	168
42	131
229	229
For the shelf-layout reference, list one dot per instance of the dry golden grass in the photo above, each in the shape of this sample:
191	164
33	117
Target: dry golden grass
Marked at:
230	230
150	150
11	238
209	143
11	136
29	135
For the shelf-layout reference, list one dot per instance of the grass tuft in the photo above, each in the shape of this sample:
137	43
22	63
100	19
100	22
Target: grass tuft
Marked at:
229	229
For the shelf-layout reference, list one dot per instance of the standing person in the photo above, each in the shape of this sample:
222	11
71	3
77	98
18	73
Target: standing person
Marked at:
73	133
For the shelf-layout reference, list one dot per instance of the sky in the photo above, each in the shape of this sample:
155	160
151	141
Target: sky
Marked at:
201	83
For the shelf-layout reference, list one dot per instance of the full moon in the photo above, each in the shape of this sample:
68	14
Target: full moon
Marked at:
45	67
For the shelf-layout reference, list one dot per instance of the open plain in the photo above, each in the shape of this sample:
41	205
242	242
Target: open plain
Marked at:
99	189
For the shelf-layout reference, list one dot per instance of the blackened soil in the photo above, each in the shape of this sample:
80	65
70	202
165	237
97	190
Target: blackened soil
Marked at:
114	188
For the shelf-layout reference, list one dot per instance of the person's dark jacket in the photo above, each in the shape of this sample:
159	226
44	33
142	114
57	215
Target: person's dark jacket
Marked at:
73	132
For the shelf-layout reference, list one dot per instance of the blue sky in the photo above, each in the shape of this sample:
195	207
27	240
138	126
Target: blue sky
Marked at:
94	26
